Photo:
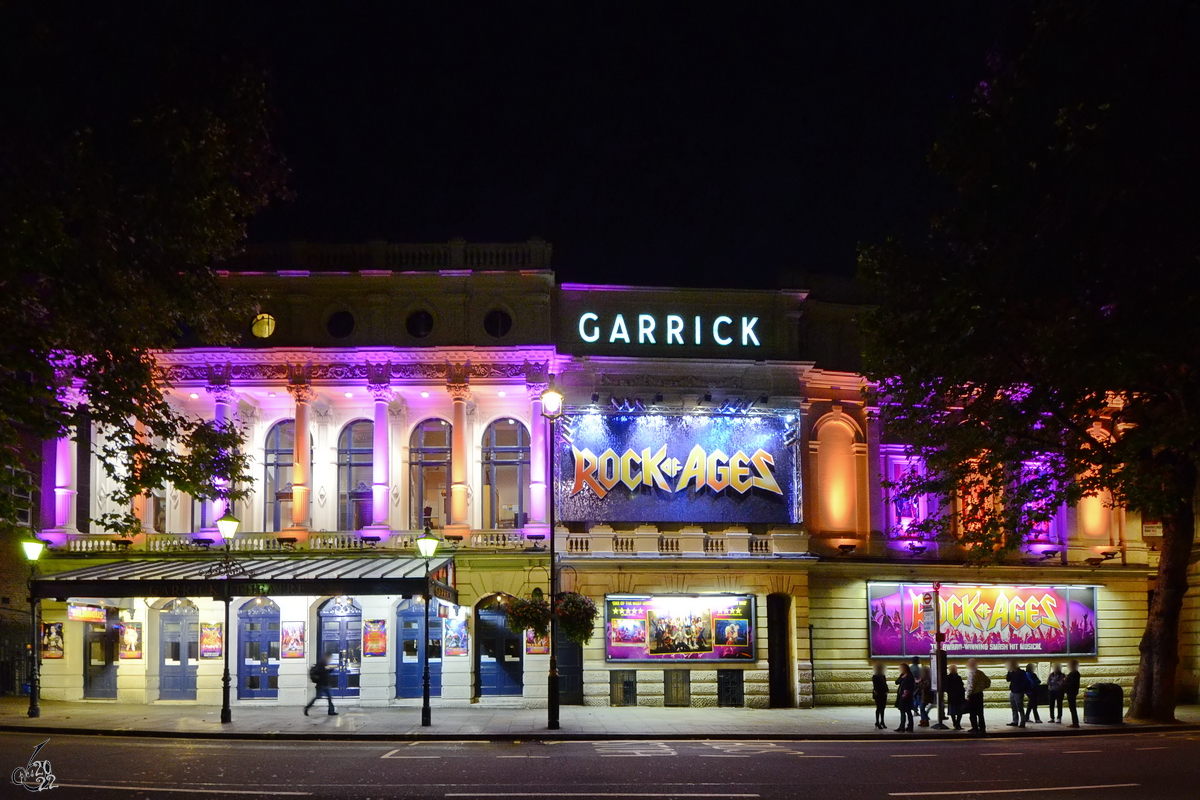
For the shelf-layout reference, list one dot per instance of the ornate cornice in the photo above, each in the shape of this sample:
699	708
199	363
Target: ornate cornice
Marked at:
222	393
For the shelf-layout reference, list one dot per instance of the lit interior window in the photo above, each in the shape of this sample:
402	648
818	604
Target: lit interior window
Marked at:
263	326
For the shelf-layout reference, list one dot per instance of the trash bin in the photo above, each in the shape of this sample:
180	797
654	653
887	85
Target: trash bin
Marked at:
1103	704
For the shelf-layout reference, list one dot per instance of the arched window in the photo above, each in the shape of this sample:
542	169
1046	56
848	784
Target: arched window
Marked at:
429	474
505	474
278	453
354	460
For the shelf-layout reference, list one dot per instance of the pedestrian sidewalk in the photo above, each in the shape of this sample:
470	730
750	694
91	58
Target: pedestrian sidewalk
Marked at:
484	721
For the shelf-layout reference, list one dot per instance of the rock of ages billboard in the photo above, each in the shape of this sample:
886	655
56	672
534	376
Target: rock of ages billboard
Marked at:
986	621
679	628
676	468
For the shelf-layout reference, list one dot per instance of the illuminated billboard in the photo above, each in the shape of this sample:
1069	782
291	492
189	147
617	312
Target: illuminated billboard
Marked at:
984	621
679	628
644	467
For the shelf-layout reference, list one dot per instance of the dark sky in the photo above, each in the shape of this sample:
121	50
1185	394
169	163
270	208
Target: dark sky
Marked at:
650	143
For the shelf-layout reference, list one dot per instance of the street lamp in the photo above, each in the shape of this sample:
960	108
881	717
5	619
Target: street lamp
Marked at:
427	545
33	551
552	410
226	568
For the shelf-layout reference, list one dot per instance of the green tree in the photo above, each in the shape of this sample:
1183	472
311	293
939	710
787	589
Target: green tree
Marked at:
1042	343
135	145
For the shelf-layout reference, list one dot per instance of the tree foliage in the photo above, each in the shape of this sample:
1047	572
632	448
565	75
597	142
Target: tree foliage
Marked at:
136	144
1042	343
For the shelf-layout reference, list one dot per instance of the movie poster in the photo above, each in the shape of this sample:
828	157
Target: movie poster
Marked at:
211	642
678	628
52	640
536	645
374	638
987	621
291	639
454	636
131	640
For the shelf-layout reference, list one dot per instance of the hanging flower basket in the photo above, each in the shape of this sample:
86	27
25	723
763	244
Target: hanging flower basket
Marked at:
528	613
576	616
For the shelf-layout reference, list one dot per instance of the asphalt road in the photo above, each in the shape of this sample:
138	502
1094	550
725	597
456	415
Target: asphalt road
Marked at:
1117	767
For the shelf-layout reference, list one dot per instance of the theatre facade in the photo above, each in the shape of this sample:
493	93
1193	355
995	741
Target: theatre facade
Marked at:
713	486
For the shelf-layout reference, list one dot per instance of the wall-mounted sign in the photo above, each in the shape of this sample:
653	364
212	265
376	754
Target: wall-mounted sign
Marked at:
721	330
85	613
679	628
131	640
454	636
52	640
291	639
374	642
536	645
212	643
676	468
985	621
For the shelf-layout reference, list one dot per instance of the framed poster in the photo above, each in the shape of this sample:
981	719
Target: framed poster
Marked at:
536	645
679	628
984	621
374	641
454	636
52	640
291	639
131	640
85	613
211	641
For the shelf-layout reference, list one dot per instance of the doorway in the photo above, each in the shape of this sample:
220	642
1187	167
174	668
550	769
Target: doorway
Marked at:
499	655
100	665
779	651
258	649
570	671
179	650
410	655
340	635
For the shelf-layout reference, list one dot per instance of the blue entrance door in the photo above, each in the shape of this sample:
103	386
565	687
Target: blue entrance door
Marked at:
179	650
258	649
410	655
340	635
100	652
499	654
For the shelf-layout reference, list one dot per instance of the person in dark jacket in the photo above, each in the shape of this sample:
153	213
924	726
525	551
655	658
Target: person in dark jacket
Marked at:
1055	686
1071	689
956	696
1018	684
879	693
925	695
906	690
319	675
1031	692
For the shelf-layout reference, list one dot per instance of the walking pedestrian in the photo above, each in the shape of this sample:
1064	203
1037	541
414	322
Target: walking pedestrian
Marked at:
1035	683
977	682
879	693
906	689
319	675
1071	687
1018	683
956	696
925	696
1056	684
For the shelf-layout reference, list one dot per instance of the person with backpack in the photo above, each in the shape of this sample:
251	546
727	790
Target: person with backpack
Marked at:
1018	685
1035	683
1056	684
319	675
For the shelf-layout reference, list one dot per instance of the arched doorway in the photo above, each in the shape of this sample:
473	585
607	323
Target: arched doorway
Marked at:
499	653
410	654
781	672
258	649
340	635
179	649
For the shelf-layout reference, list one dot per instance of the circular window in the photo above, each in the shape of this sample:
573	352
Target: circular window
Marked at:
419	324
340	324
497	323
262	326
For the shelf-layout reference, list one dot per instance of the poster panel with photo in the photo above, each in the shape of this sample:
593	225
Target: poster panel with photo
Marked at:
986	621
454	636
211	641
536	645
131	640
52	640
291	639
679	628
374	638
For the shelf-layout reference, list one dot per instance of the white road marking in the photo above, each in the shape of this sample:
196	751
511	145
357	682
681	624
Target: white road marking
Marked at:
127	788
1083	751
1151	748
721	755
392	754
1014	791
1001	754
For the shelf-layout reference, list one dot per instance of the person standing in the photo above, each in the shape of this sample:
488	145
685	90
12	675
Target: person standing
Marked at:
1071	688
976	684
879	693
1035	683
956	696
906	690
1018	683
925	696
1055	686
319	675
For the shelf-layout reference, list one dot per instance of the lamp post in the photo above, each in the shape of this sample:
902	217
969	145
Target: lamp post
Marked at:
427	545
33	551
552	410
226	567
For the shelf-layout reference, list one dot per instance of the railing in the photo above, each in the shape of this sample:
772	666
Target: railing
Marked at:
383	256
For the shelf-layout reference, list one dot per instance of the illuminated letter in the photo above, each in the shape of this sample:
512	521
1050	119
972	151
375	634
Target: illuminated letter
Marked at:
952	610
697	330
694	469
651	474
608	468
1049	619
999	614
628	460
1016	613
674	329
739	473
717	337
1033	613
969	618
619	331
748	331
718	474
763	461
595	332
585	473
645	329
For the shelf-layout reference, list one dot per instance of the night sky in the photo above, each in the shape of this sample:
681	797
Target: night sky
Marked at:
657	146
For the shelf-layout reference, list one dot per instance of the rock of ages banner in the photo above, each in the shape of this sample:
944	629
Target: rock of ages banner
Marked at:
985	621
679	628
718	468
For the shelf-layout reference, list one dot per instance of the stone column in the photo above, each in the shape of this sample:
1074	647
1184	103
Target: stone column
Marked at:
303	394
459	525
223	399
380	459
539	477
58	481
